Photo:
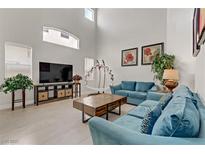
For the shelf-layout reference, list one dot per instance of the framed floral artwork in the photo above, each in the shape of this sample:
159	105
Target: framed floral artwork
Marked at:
198	29
201	26
129	57
149	51
196	47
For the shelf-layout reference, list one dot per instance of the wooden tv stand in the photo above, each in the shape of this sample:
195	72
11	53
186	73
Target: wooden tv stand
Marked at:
44	93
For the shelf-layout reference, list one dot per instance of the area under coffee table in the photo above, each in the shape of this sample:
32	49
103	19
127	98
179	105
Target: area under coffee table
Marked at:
98	105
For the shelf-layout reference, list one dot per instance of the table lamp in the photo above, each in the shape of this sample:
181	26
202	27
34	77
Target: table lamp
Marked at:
170	78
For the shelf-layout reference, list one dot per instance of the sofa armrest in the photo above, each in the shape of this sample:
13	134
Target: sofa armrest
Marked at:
106	132
156	96
114	88
154	88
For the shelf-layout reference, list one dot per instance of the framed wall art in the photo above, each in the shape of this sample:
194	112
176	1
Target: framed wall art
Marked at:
129	57
201	26
149	51
196	47
198	29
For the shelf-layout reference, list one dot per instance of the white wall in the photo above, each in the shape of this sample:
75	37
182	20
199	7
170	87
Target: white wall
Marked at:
117	29
126	28
120	29
179	43
25	26
200	73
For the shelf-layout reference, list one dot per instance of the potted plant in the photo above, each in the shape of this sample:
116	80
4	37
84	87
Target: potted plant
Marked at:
160	63
77	78
17	82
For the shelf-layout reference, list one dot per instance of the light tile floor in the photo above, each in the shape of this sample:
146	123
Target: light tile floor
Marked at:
51	123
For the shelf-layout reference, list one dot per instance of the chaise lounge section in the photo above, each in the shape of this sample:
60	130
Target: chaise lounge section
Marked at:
181	121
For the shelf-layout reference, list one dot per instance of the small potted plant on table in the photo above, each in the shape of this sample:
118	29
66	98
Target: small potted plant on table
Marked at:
15	83
77	78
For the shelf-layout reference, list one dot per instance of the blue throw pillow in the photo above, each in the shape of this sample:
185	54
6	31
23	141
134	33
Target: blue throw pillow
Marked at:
128	85
179	119
144	86
150	119
184	91
165	100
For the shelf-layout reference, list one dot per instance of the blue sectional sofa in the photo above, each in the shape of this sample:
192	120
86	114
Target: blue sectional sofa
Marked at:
136	92
181	121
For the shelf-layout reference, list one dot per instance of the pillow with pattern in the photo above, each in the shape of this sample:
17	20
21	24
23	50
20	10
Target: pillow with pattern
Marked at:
150	119
165	100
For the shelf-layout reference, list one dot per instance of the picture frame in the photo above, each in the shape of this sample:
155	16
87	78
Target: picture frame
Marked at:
149	51
196	47
198	30
201	26
129	57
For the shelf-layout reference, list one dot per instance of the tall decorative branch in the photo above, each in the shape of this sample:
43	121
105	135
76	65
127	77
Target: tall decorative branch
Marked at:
100	67
104	69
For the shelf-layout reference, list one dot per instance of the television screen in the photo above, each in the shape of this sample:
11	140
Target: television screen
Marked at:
51	72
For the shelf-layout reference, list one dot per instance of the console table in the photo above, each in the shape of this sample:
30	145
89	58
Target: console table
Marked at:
52	92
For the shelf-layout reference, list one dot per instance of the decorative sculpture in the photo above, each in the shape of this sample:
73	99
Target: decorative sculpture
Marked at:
102	70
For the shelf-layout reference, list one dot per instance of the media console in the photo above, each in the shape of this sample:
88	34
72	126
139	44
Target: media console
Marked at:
52	92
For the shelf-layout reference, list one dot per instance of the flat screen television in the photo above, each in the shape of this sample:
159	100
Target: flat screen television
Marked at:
51	72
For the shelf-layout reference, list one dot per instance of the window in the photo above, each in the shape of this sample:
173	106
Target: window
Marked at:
60	37
18	59
89	14
89	63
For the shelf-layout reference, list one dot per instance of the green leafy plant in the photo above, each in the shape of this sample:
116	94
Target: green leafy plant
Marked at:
160	63
17	82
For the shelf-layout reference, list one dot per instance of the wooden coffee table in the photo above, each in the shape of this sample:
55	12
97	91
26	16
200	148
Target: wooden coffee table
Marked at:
98	105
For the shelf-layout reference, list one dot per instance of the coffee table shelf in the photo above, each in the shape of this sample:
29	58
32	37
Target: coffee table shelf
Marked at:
98	105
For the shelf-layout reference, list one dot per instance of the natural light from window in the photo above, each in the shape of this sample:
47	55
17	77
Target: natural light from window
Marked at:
89	14
18	59
60	37
89	63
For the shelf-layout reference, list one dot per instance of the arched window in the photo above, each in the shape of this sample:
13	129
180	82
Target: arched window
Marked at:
60	37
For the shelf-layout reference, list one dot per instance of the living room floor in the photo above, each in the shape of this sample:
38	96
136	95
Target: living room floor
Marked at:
51	123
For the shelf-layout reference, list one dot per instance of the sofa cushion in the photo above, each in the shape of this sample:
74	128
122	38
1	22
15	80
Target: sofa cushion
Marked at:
122	92
128	85
134	101
181	90
139	111
152	95
165	100
149	103
144	86
184	91
200	103
150	119
179	119
129	122
136	94
115	88
202	132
